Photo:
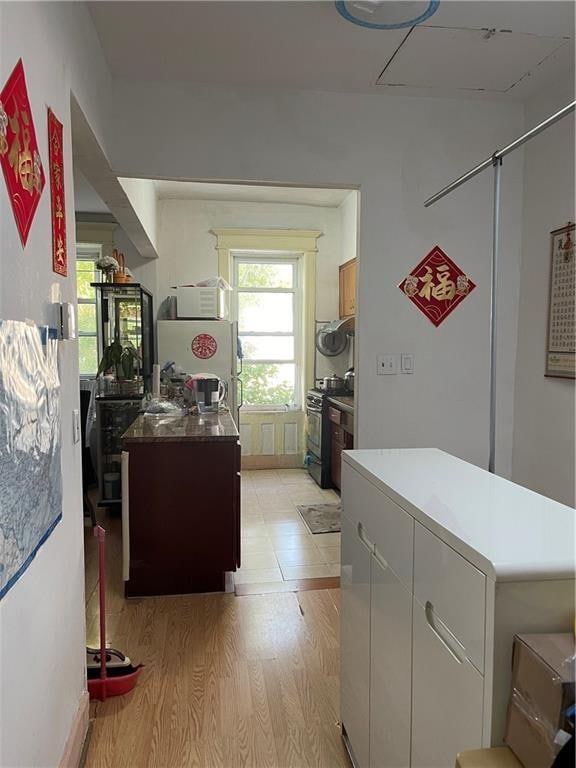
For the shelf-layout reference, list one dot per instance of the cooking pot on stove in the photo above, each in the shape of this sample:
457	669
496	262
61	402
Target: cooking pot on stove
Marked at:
349	379
332	383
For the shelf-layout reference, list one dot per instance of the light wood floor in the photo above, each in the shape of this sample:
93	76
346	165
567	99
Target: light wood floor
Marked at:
229	681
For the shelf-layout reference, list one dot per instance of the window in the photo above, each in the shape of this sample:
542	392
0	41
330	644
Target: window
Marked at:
86	273
268	306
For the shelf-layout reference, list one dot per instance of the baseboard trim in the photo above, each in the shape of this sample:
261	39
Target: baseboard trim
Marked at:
75	743
295	585
282	461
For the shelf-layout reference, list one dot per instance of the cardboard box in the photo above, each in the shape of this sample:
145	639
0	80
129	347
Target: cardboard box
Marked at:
542	690
495	757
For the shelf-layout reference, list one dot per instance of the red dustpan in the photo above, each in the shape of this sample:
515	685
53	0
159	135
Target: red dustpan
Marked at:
118	679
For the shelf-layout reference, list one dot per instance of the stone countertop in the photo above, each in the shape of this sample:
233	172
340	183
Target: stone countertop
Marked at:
345	402
163	428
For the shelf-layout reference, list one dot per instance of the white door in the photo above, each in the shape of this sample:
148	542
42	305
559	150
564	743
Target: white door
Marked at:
355	640
390	668
447	694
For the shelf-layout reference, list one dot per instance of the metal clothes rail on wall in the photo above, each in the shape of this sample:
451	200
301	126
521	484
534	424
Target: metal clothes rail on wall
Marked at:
495	160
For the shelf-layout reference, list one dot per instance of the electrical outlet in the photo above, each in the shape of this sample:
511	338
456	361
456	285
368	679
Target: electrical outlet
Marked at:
406	363
387	364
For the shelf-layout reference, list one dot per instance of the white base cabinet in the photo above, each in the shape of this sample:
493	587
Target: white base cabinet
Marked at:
447	695
390	666
355	636
428	614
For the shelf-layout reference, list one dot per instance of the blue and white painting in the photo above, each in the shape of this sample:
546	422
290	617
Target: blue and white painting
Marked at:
30	468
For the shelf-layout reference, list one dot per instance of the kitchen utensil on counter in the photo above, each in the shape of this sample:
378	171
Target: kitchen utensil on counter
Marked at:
332	383
209	391
349	380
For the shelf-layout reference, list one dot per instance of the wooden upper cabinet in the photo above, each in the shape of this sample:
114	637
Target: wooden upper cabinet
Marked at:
348	289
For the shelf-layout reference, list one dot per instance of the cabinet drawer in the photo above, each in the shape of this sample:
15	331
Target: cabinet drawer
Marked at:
334	415
384	524
455	590
338	435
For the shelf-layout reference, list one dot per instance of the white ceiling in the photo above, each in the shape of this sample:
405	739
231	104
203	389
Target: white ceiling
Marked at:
87	200
247	193
308	45
495	62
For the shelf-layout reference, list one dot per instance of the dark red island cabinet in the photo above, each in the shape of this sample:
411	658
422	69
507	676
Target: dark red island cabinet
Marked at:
181	515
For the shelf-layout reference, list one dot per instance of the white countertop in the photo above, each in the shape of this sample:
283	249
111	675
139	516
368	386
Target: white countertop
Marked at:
505	530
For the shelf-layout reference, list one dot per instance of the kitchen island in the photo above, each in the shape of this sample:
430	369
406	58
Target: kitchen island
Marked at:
181	503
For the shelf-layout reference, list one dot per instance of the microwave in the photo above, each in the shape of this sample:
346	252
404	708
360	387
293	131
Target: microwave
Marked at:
200	303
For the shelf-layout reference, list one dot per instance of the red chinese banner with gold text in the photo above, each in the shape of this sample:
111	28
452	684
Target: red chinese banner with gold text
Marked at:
437	285
19	155
58	203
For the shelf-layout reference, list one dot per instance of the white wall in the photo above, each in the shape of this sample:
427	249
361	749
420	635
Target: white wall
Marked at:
142	195
144	270
543	456
398	151
42	634
349	213
187	250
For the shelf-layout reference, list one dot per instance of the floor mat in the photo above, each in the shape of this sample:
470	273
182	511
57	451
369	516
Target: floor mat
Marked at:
321	518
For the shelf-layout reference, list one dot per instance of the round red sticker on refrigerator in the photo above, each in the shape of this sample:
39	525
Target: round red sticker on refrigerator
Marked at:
204	346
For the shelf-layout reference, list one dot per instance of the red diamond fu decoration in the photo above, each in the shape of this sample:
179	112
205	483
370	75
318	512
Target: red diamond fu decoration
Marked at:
437	285
19	154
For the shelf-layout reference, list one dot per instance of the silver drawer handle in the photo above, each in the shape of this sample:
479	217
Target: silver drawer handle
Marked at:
364	539
429	609
379	559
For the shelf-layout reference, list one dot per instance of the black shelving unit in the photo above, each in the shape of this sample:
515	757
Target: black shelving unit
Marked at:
125	313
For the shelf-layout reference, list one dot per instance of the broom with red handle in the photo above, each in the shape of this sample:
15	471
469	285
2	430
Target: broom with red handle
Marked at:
102	686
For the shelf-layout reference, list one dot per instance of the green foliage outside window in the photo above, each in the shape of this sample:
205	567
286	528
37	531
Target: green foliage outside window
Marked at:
258	387
265	383
88	355
251	275
86	273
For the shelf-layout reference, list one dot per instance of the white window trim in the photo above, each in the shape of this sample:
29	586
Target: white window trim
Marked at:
268	257
286	240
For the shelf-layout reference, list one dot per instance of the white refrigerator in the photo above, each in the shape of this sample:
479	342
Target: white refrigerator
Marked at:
204	346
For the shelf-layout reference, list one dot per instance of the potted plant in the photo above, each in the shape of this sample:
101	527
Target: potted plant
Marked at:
120	359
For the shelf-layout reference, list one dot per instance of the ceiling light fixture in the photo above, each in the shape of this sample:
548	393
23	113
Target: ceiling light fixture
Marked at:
386	14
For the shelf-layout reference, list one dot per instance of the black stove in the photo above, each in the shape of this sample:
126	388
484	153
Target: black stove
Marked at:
318	435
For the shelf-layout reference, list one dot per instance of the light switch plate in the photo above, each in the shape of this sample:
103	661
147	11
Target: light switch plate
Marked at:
407	363
76	432
387	365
